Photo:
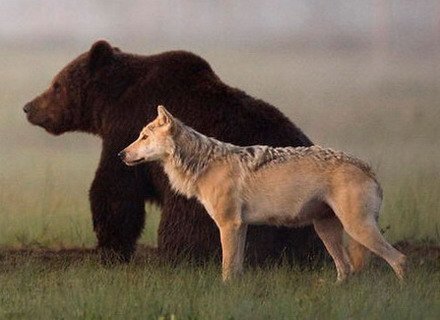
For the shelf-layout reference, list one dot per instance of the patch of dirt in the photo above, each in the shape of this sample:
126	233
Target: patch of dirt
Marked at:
417	253
70	255
420	253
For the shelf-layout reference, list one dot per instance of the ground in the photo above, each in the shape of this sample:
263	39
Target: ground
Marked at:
42	284
385	113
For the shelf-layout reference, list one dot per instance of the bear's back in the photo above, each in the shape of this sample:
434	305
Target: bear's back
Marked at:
186	84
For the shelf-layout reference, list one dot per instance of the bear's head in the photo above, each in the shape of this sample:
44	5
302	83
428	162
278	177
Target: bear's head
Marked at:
64	106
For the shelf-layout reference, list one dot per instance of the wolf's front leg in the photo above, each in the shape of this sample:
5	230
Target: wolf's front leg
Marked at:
233	239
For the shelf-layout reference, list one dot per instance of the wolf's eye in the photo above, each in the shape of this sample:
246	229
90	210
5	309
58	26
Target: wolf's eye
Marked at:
144	137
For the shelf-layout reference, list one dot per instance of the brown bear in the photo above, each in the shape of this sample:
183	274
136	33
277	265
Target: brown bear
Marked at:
113	94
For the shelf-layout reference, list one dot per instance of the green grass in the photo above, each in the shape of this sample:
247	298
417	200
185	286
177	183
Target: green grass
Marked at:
386	113
32	288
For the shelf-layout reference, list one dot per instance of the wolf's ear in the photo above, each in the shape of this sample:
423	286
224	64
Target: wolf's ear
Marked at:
164	116
100	54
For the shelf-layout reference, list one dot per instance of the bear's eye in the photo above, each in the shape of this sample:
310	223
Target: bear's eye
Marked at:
57	87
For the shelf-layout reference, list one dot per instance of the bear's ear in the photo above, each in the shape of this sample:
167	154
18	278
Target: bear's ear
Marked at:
163	116
100	54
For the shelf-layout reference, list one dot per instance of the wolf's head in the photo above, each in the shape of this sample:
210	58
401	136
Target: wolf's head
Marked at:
155	141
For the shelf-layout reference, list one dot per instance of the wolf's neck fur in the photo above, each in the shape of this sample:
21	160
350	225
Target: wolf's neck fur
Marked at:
191	156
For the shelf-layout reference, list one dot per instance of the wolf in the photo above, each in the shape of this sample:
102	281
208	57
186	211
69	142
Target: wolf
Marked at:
293	186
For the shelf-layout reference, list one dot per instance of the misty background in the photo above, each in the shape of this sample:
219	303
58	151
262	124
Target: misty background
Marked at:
400	26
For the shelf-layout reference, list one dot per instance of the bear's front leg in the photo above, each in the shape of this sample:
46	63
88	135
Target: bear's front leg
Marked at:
118	210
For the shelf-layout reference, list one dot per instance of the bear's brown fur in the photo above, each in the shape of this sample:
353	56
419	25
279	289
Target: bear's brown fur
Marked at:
114	94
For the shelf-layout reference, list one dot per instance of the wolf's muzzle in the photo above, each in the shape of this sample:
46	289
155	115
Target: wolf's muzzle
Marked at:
122	155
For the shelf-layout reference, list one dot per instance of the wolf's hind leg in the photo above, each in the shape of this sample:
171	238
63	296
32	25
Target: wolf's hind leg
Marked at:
358	254
367	233
357	207
331	232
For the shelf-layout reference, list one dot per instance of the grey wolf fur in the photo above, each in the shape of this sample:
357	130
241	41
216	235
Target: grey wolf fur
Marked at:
277	186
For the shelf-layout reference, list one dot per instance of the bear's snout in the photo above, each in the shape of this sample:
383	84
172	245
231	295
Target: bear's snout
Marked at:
33	113
37	116
27	107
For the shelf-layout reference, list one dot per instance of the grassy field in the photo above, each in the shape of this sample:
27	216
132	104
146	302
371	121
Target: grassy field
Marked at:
385	111
63	288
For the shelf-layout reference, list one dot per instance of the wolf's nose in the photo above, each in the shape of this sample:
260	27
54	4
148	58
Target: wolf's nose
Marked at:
121	155
27	108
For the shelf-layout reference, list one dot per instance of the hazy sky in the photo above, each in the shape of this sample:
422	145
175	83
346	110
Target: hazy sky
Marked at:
228	22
